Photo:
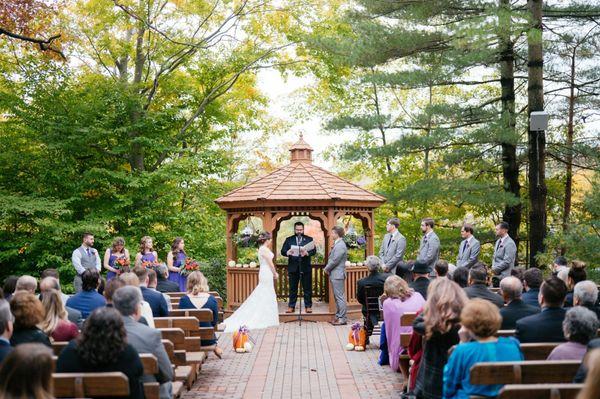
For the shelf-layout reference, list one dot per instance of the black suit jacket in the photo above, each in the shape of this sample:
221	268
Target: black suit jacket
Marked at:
545	326
295	262
164	285
481	291
420	285
375	279
157	302
5	349
514	311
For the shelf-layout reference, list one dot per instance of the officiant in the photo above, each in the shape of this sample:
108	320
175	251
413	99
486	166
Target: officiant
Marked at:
298	249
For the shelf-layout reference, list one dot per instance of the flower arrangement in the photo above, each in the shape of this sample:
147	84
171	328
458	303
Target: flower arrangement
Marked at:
246	239
242	341
353	240
122	265
150	265
191	265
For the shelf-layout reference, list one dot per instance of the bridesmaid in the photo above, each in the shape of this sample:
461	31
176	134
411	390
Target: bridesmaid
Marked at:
176	261
147	252
117	251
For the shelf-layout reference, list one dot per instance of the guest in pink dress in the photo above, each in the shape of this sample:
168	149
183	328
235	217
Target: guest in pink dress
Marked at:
56	323
400	299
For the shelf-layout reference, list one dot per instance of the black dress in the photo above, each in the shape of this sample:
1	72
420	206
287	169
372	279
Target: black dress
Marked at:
128	363
28	336
430	379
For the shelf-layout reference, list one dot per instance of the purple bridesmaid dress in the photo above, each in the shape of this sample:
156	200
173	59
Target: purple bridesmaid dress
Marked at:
111	262
178	261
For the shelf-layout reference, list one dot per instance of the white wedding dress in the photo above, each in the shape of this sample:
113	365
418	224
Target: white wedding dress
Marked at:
259	310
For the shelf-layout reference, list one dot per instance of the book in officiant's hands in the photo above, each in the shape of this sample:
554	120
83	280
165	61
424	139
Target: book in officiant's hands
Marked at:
295	249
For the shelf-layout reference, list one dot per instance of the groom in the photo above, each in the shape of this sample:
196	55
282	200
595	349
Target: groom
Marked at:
297	264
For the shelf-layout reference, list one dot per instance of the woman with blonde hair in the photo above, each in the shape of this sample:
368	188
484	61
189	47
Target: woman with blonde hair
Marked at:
146	252
56	323
400	299
480	320
112	254
439	326
197	297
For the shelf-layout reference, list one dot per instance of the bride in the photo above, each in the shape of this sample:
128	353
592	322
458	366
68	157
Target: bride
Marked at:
259	310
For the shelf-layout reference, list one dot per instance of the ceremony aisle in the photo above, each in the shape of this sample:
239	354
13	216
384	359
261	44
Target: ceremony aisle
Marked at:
292	361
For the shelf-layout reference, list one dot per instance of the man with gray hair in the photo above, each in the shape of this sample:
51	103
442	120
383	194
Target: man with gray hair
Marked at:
371	285
585	294
6	329
163	284
128	301
515	309
26	283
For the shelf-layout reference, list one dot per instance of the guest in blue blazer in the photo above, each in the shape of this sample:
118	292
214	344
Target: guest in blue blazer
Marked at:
545	326
6	329
155	299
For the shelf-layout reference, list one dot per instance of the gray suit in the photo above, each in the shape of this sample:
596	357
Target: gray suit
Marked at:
392	251
429	251
468	253
336	267
148	340
504	257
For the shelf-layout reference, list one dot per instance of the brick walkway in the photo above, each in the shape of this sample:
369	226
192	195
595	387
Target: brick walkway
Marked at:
296	362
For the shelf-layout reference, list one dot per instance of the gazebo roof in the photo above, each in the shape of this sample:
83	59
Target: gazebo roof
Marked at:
300	180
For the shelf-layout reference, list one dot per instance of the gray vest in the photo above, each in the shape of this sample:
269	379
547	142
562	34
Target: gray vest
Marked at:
88	262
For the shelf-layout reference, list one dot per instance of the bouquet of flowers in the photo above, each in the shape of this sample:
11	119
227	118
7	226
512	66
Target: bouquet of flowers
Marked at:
150	265
242	341
122	265
191	265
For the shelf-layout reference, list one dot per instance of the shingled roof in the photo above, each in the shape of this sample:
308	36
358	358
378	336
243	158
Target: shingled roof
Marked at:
300	180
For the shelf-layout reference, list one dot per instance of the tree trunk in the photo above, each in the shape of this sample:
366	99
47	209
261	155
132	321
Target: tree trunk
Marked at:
510	165
569	145
536	151
136	156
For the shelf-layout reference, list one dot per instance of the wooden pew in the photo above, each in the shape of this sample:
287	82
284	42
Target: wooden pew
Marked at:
525	372
540	391
85	385
538	351
183	373
190	327
406	319
175	306
58	346
511	333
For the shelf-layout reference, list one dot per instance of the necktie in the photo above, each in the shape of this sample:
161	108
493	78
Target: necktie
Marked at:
88	251
465	246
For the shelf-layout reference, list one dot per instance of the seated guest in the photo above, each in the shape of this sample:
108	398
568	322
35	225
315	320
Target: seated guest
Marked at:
132	279
6	329
441	268
400	299
9	286
545	326
580	326
515	309
532	279
582	372
164	284
111	287
102	347
88	299
27	373
154	298
461	277
591	389
198	298
586	294
26	283
576	274
439	325
478	286
28	312
54	274
56	324
128	301
420	281
50	283
375	280
560	264
152	283
480	321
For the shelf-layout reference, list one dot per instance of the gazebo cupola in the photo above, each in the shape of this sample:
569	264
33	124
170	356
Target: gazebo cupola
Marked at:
301	151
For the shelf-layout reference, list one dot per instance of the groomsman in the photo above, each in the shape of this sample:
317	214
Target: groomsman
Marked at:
468	250
336	270
393	247
429	251
505	252
84	257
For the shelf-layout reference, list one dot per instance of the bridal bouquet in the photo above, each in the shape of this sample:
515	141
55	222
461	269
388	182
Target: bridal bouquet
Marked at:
357	337
122	265
191	265
242	341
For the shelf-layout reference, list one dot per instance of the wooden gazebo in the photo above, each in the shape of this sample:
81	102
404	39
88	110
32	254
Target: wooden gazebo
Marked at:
297	189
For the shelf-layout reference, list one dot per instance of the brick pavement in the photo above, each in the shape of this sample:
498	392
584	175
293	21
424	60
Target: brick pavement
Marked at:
292	361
